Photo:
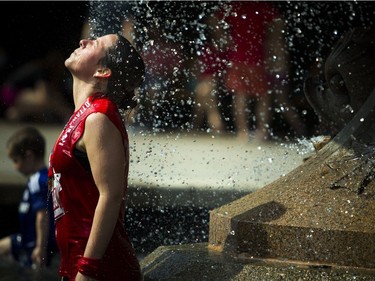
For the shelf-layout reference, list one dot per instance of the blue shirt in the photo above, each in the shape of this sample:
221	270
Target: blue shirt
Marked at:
35	198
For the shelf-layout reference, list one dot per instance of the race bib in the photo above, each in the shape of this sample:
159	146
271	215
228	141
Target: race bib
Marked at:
58	209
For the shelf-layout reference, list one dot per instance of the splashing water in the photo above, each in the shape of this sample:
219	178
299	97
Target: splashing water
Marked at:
170	35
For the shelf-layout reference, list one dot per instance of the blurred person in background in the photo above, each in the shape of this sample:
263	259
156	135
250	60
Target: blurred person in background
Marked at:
247	78
278	72
34	93
252	29
244	55
35	243
212	61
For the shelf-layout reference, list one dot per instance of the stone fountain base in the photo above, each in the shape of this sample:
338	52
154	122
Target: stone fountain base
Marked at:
309	216
316	223
197	262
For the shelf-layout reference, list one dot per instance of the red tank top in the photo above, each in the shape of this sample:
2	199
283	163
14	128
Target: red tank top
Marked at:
75	197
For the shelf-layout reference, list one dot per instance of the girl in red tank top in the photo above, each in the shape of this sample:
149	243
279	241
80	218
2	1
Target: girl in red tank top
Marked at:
90	161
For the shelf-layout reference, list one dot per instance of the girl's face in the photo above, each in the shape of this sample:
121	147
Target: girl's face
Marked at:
84	62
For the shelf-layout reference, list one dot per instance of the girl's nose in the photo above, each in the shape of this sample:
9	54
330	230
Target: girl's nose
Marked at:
83	42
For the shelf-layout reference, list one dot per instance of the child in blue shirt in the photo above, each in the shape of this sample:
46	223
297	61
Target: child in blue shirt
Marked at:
35	242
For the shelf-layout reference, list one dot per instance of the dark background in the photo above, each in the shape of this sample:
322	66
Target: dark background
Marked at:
30	29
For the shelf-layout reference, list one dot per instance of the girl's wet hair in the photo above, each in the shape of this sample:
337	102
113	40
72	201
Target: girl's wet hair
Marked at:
128	71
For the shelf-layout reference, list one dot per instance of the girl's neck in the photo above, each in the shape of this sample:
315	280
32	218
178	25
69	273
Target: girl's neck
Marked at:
81	91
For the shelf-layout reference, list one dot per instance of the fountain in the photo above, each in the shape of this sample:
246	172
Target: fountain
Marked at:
316	223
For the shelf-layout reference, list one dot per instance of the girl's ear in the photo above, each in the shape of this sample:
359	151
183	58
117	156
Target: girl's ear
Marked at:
103	73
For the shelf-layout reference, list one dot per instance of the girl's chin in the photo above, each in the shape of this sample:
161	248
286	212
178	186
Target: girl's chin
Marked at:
68	61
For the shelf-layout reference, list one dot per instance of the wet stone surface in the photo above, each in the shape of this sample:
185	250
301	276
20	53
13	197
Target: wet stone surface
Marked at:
196	262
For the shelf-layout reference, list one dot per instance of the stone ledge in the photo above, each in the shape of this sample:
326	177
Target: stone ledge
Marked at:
299	217
193	262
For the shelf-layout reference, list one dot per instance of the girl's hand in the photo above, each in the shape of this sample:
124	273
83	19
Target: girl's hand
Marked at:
81	277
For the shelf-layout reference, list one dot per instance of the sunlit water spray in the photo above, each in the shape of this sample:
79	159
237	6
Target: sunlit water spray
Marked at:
170	30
